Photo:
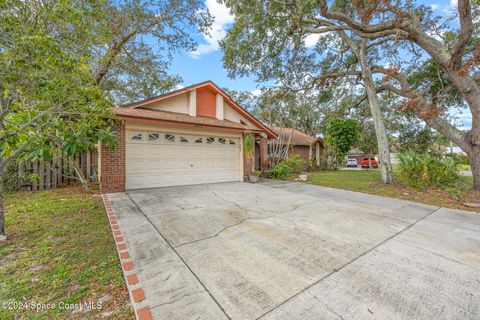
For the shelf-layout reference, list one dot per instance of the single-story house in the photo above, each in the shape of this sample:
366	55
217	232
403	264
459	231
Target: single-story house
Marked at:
300	143
193	135
359	155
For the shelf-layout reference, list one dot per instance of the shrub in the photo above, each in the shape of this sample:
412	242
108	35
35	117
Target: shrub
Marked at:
286	169
460	158
422	170
11	177
312	165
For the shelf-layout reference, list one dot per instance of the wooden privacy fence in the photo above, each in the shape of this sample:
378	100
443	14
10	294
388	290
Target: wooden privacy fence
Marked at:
58	172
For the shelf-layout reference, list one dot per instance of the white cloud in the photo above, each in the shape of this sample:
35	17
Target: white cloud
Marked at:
451	8
434	6
256	92
222	18
311	40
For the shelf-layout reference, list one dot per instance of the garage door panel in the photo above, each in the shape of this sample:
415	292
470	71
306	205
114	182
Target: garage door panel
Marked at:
162	163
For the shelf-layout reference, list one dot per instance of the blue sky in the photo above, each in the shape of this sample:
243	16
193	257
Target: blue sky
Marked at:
206	62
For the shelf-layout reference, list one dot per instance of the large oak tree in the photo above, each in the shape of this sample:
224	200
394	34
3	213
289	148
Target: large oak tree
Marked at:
453	46
403	30
273	39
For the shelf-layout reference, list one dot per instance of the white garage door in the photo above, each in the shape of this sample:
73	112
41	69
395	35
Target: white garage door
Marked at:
160	159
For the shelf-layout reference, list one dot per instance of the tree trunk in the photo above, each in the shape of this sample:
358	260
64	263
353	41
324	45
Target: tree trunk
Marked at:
382	140
474	157
473	137
81	177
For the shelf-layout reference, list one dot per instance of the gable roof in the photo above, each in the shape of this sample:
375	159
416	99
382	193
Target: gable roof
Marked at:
298	137
320	140
270	133
174	117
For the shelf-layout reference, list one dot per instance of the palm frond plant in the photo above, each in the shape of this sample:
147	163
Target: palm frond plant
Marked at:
249	145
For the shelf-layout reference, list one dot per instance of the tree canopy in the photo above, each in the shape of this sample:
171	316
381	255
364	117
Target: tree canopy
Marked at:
310	44
64	64
342	135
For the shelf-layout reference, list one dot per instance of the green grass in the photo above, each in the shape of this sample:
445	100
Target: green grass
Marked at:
60	249
368	181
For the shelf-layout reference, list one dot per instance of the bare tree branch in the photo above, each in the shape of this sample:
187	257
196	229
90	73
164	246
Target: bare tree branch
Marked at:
388	26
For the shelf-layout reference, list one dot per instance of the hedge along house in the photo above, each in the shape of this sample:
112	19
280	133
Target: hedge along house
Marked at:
193	135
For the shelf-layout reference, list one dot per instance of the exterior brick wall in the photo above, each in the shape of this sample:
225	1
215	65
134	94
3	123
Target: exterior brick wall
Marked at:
302	151
112	163
263	153
206	103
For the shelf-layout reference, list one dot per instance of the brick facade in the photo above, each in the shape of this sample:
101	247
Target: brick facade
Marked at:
263	153
112	163
302	151
260	146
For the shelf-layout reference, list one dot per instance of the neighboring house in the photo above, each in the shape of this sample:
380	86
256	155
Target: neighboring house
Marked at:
359	155
189	136
302	144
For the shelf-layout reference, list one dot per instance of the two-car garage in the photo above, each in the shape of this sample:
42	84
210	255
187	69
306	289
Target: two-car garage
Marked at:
160	158
192	135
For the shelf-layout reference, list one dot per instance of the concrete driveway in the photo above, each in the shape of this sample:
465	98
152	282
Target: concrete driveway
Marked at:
297	251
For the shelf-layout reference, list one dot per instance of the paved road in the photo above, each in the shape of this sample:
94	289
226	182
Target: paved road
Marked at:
298	251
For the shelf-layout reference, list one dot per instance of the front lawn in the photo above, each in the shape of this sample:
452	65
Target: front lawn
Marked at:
368	181
60	250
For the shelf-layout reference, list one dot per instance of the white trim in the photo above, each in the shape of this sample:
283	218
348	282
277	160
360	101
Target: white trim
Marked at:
192	103
240	178
219	106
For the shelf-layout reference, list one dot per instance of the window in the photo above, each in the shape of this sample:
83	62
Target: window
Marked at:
169	138
153	136
210	140
221	140
232	142
199	140
136	137
183	139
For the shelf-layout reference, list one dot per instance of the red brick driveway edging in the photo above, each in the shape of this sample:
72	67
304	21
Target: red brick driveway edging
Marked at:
133	285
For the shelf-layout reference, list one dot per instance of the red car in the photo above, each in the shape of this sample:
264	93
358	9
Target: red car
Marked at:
365	163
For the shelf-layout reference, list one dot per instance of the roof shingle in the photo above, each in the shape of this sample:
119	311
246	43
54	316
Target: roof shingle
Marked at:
298	138
180	117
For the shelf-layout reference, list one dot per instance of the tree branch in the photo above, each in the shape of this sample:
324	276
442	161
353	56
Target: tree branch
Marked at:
399	36
388	26
111	55
28	124
436	122
466	30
